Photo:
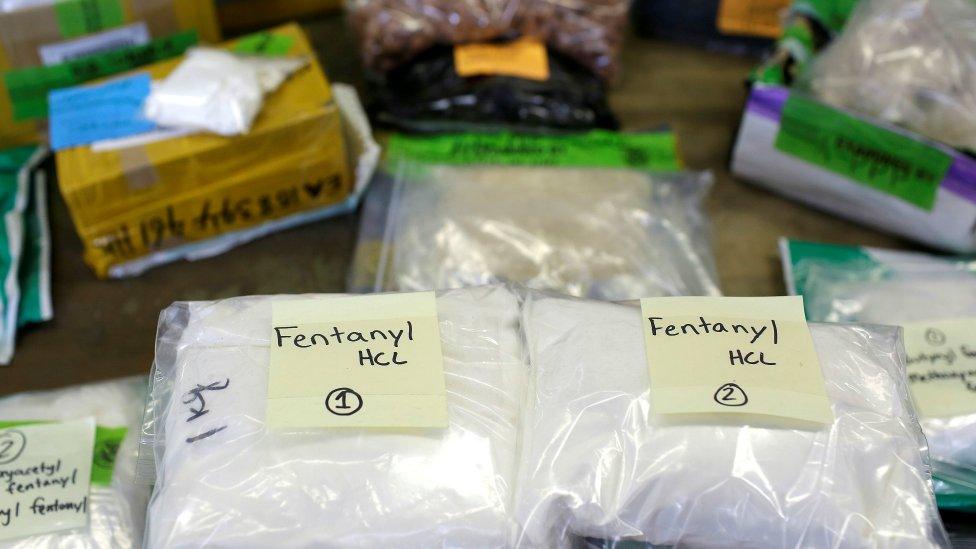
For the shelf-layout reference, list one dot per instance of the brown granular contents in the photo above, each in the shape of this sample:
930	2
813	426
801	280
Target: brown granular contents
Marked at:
392	32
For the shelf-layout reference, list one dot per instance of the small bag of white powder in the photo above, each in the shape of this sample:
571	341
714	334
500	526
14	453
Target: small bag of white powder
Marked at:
223	479
595	465
117	510
589	232
847	284
908	62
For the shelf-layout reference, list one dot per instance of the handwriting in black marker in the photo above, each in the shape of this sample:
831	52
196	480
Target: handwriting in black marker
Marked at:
209	433
196	395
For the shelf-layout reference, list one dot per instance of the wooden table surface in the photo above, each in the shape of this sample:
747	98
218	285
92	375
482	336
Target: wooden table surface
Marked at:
105	329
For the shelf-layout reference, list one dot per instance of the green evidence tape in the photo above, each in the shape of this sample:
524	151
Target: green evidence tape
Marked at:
265	43
873	156
81	17
28	88
106	449
653	151
833	14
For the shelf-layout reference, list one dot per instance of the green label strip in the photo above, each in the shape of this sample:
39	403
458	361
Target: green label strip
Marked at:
28	88
81	17
876	157
655	151
106	450
833	14
265	43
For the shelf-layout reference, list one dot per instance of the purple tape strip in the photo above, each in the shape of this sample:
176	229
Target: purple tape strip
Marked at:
768	102
961	177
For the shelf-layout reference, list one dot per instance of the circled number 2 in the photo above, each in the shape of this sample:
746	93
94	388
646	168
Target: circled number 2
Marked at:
731	394
12	443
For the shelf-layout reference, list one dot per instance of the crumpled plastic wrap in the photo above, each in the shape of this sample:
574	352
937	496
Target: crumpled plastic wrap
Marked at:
394	31
908	62
117	512
248	486
590	232
597	466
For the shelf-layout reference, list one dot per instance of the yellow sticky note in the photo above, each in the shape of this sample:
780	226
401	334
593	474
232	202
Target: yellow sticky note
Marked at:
522	58
358	361
752	17
942	366
45	475
733	355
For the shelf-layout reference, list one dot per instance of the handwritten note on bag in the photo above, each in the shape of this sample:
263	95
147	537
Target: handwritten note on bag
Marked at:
942	366
45	476
359	361
750	356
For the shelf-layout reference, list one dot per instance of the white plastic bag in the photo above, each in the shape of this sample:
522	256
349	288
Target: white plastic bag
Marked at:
596	465
601	233
846	284
909	62
247	486
217	91
117	512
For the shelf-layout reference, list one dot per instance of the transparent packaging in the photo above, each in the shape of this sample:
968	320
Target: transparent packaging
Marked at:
925	290
392	32
117	512
217	91
244	485
589	232
908	62
600	467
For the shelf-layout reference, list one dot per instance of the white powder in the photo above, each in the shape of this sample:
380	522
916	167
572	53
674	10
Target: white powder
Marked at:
246	486
217	91
117	512
588	232
596	466
902	299
909	62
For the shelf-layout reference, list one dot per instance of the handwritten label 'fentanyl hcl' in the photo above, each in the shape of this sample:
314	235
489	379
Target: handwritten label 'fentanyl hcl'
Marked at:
942	366
45	476
733	356
363	361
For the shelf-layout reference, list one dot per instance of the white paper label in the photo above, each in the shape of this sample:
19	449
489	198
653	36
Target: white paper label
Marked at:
45	475
362	361
748	356
136	34
942	366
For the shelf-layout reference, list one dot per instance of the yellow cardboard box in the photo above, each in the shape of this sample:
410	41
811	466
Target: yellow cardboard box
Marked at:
136	201
25	81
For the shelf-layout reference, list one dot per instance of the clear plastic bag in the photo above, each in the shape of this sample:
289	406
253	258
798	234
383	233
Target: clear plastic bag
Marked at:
217	91
117	512
908	288
394	31
601	233
908	62
599	467
247	486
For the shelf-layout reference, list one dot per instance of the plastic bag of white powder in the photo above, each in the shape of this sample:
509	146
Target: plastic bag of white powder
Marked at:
596	465
117	511
225	480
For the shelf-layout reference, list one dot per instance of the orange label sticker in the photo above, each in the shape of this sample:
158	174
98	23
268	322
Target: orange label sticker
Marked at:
752	17
522	58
